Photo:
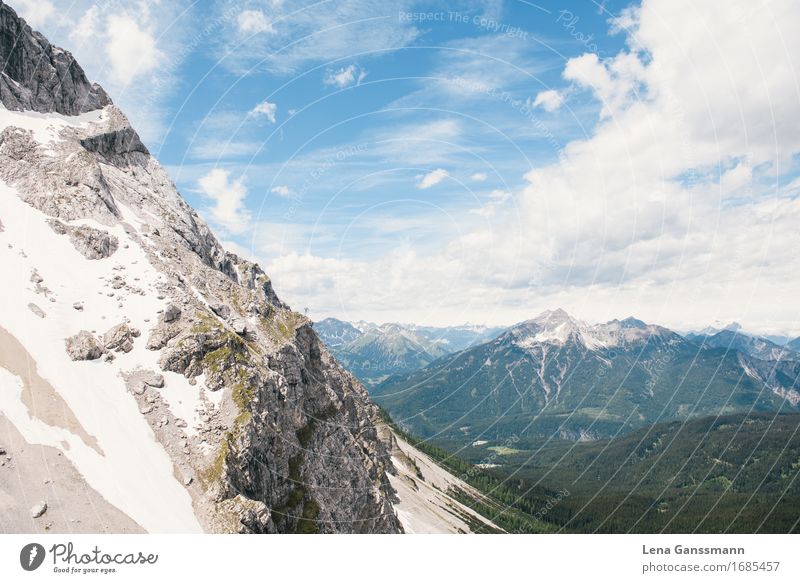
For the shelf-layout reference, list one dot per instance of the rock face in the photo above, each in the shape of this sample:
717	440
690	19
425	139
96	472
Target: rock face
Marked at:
289	442
38	76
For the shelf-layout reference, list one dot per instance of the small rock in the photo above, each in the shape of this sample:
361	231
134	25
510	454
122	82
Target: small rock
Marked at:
139	388
2	451
78	306
39	509
187	481
145	410
36	278
181	423
164	421
36	310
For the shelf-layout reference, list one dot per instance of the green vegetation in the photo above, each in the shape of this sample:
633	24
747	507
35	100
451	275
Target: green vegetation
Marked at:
736	473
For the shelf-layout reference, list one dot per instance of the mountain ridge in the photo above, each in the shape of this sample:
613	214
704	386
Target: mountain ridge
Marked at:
556	376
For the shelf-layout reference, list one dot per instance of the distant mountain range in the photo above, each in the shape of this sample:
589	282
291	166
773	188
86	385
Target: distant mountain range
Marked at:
373	352
555	376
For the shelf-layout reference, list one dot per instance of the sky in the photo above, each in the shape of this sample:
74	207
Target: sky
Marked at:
451	162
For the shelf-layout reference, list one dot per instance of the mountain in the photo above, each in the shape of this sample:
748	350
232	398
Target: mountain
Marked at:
794	345
374	352
335	333
149	379
555	376
456	338
756	347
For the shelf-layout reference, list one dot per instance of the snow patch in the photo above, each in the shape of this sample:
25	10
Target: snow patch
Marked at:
135	474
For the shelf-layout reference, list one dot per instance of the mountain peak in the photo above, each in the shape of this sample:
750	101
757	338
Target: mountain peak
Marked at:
35	75
553	318
631	322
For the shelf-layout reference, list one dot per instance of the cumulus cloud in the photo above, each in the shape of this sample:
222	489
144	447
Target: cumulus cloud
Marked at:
228	211
549	100
264	109
253	22
132	49
478	177
344	77
432	178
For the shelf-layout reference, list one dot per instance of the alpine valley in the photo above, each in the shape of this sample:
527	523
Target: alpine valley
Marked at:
153	381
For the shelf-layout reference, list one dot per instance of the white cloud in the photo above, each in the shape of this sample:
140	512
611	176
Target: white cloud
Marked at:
228	211
616	83
500	196
666	209
266	109
131	48
549	100
35	12
282	191
432	178
344	77
253	22
87	26
479	177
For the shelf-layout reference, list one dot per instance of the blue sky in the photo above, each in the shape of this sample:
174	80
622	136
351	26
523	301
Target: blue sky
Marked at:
475	161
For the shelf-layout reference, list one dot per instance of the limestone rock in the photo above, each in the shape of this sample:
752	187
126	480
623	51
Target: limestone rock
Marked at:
91	243
84	346
120	338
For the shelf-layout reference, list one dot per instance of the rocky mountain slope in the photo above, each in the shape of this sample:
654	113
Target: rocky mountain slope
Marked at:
175	389
555	376
374	352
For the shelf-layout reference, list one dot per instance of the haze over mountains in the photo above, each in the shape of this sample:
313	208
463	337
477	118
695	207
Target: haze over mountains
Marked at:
374	352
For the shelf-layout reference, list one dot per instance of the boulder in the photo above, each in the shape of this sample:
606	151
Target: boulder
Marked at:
120	338
84	346
153	379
